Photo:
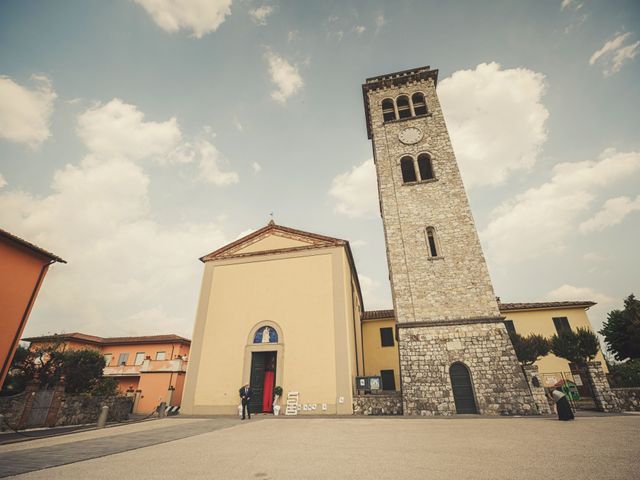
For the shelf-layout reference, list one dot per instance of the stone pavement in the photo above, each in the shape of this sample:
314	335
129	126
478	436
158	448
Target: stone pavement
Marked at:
597	447
72	449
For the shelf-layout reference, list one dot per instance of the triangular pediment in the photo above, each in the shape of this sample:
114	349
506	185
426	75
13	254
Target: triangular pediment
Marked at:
272	239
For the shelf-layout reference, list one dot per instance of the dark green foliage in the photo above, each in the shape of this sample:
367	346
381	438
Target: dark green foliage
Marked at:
621	331
530	348
277	391
81	368
16	380
104	387
578	347
625	374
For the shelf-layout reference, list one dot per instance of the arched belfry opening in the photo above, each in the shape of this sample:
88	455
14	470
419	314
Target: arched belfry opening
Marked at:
264	358
462	388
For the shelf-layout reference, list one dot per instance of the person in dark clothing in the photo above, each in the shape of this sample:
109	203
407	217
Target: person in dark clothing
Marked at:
245	396
562	405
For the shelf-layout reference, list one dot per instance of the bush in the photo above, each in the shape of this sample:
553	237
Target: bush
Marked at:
104	387
621	331
625	374
530	348
82	368
578	347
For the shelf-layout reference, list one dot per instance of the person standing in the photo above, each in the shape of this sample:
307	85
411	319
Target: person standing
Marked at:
245	396
562	405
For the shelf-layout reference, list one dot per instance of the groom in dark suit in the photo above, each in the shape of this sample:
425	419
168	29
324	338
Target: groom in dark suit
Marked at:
245	395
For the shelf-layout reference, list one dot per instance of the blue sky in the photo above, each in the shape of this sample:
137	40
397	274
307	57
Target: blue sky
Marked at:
136	136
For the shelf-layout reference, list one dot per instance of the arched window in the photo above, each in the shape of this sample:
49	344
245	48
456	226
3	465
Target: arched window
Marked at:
425	167
419	105
266	335
462	388
404	111
432	242
408	170
388	111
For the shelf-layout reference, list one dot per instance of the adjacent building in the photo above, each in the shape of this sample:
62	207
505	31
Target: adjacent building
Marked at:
23	267
151	368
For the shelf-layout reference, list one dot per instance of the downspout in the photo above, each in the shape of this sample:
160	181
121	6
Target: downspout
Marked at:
25	315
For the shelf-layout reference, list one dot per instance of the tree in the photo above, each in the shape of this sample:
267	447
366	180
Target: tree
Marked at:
578	347
621	331
16	379
530	348
81	368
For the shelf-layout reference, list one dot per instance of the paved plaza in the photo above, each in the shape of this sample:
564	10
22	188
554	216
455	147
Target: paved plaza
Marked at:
595	447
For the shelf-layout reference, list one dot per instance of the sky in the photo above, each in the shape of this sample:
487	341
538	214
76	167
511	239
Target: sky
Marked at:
139	135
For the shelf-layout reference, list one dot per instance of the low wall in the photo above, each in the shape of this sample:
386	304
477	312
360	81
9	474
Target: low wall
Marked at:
628	398
80	409
11	407
378	404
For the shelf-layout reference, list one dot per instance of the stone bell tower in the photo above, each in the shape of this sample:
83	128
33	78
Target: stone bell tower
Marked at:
455	353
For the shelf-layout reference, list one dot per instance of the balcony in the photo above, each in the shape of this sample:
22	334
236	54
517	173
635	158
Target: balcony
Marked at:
122	371
155	366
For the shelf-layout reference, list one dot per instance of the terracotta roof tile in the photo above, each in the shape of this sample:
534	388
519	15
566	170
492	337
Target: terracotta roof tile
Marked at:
545	305
376	314
82	337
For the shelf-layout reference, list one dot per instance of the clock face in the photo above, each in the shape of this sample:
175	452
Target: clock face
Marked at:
410	135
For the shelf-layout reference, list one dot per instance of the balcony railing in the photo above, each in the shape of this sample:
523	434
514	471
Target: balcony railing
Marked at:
147	366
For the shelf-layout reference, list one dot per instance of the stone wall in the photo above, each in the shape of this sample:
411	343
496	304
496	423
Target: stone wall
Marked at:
628	398
12	407
81	409
539	396
387	403
603	397
426	353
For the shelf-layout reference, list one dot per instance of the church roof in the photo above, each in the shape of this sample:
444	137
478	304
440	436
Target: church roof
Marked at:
304	241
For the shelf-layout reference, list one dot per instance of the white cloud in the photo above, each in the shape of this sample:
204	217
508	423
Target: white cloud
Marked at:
359	29
571	4
614	54
612	213
380	21
572	293
259	14
200	16
210	165
372	298
293	35
24	113
496	119
127	273
256	167
356	191
538	221
285	76
358	243
117	129
592	257
3	182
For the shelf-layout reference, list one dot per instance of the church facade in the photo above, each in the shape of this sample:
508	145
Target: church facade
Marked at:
283	307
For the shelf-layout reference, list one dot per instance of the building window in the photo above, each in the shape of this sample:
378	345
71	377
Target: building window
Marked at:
388	110
408	170
107	359
419	105
123	358
404	110
511	329
432	242
160	355
562	324
386	337
139	358
425	167
388	380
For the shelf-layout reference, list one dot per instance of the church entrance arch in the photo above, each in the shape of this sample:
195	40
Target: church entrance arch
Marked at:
263	365
462	388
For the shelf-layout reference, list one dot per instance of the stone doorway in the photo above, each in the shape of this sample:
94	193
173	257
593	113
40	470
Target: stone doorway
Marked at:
462	388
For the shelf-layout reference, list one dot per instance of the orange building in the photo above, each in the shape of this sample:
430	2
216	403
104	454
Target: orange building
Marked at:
151	368
23	267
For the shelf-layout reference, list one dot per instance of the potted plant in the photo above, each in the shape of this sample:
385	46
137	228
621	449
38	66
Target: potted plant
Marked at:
277	393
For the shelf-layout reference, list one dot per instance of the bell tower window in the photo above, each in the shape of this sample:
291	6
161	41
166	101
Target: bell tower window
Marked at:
425	167
432	243
408	170
388	110
419	104
404	110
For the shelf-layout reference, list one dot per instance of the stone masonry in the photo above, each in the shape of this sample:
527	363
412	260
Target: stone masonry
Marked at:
537	390
445	305
387	403
628	398
603	396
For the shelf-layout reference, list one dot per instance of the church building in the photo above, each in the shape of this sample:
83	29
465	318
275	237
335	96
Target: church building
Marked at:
283	307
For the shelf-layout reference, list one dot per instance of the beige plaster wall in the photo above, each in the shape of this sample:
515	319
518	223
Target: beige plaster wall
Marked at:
377	357
541	322
304	296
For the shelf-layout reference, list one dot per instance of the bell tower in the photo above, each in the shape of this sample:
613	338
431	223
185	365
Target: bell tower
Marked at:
455	353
